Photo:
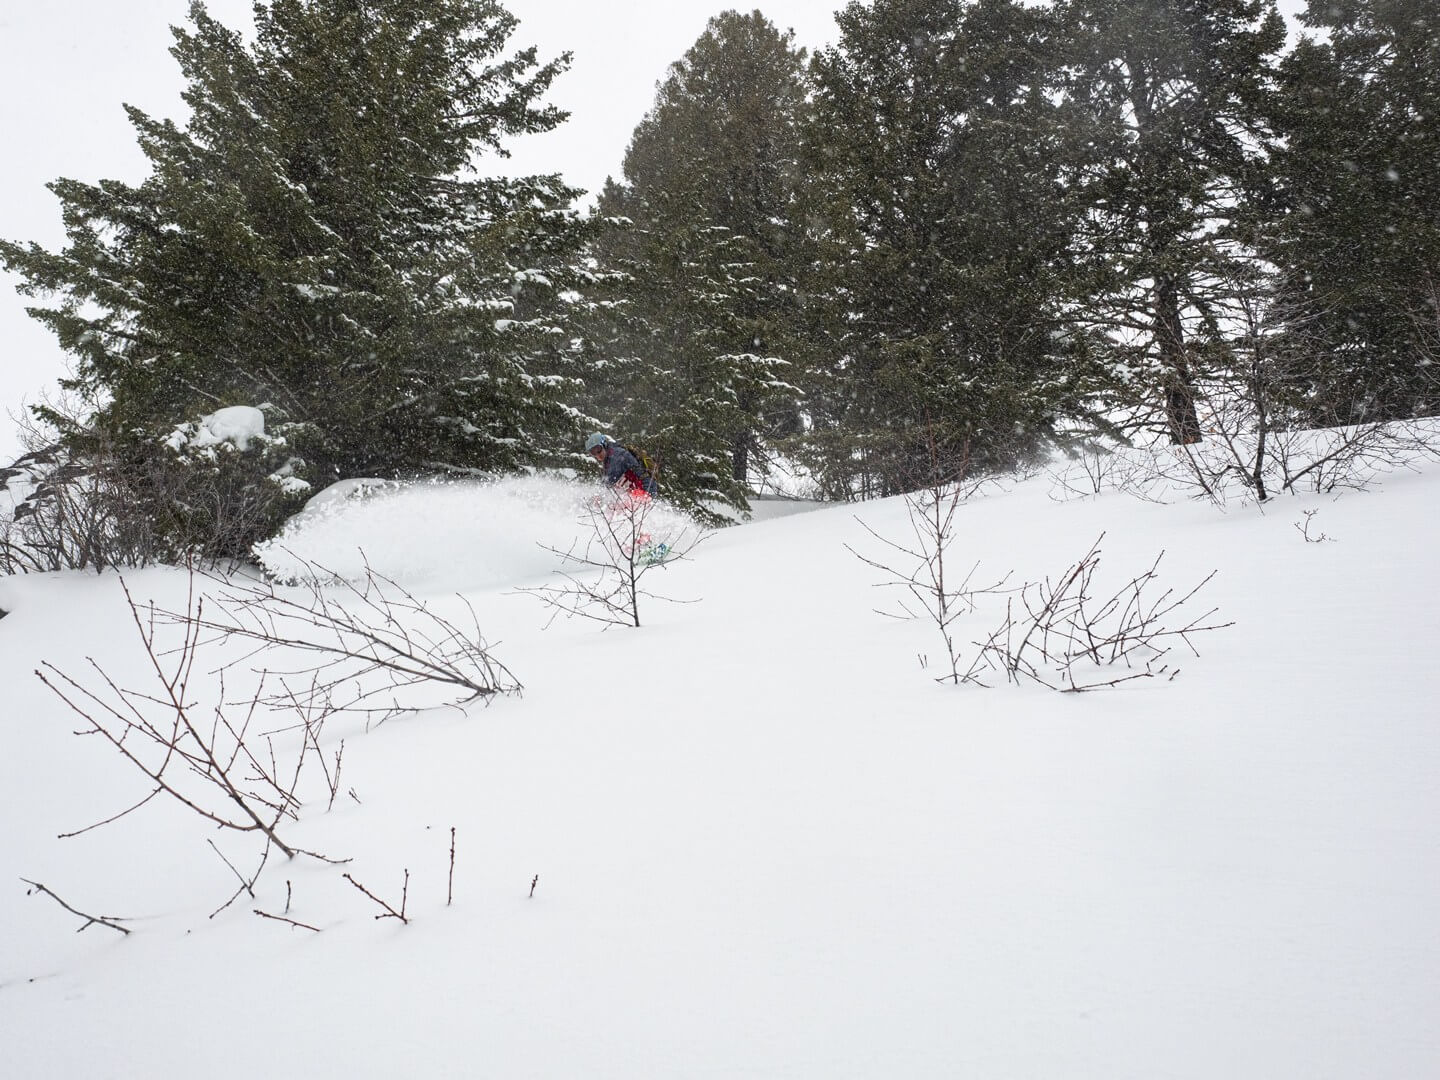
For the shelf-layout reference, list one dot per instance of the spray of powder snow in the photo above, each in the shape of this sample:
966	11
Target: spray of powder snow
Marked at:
449	534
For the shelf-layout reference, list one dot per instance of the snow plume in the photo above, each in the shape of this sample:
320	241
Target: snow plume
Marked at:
477	533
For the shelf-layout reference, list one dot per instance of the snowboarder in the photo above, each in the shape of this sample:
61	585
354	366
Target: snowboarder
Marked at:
620	465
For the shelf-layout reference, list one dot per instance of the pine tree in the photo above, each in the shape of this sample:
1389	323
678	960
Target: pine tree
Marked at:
695	357
314	239
669	358
935	156
1166	104
1356	234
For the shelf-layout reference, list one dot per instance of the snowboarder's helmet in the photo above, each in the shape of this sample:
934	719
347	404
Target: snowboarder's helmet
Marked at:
595	442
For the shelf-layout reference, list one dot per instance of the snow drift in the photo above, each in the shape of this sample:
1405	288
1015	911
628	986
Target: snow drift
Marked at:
763	841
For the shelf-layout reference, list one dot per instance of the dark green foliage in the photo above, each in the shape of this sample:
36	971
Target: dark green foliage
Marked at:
1165	105
693	356
670	365
968	232
720	142
1355	231
935	153
310	241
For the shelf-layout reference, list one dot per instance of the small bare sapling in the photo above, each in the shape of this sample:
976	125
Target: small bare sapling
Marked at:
1303	528
622	541
450	882
932	587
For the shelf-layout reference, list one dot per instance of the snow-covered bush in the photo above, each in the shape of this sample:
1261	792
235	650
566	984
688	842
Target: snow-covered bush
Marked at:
232	484
207	492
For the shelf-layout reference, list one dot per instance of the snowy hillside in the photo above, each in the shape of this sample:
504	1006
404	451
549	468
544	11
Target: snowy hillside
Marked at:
755	838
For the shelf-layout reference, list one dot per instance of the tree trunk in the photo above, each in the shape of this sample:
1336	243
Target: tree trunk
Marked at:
1180	413
740	457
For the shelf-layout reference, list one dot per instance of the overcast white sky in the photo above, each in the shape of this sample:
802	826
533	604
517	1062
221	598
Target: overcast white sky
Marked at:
67	65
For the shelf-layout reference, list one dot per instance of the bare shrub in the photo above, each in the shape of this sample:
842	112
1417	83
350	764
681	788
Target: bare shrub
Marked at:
1236	464
1239	461
623	539
1278	411
84	497
1303	528
61	514
366	647
1354	458
936	589
1269	410
1094	469
208	760
1058	634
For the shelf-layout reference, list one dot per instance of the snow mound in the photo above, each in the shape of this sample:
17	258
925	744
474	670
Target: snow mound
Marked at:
237	425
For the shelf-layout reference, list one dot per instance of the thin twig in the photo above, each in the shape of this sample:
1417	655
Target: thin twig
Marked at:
288	921
112	921
390	912
109	820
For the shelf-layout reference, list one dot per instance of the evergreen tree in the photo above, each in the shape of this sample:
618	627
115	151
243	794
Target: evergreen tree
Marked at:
315	239
935	153
669	358
1166	103
697	351
1357	232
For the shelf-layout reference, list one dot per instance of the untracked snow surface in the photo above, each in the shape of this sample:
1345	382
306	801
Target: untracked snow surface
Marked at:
754	838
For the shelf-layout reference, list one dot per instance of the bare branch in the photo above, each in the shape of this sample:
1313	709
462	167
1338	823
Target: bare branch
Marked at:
112	921
113	818
283	919
371	640
390	912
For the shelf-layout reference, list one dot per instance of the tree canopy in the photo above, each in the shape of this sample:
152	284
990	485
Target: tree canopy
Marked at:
316	240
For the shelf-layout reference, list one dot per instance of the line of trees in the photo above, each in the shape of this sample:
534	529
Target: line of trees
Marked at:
966	232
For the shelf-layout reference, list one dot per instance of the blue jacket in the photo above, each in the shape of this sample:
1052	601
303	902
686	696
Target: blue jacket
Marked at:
621	464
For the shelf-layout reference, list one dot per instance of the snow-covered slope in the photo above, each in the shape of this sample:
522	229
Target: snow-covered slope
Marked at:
762	840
